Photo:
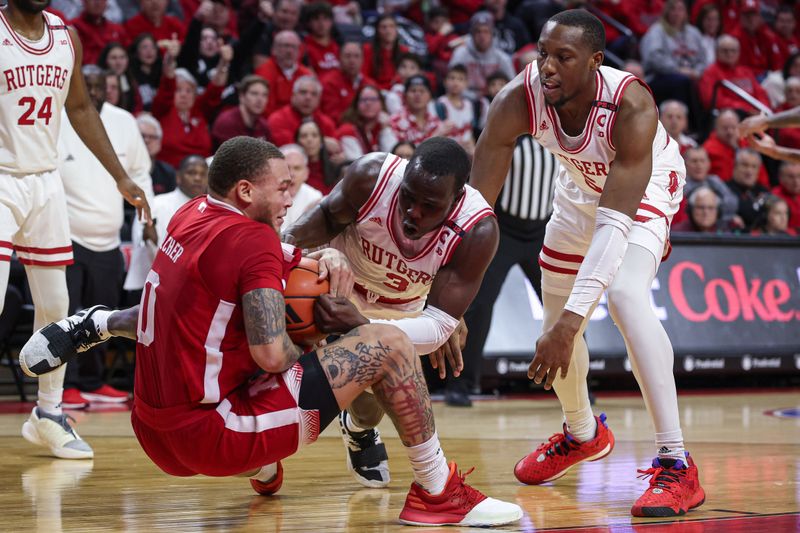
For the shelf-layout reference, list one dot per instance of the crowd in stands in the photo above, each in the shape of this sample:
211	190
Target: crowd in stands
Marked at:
333	80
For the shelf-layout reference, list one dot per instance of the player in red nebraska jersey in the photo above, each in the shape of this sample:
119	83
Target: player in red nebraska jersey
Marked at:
620	185
212	315
38	57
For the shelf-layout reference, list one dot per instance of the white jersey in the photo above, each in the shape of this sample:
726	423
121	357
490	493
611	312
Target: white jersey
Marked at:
34	82
586	159
389	283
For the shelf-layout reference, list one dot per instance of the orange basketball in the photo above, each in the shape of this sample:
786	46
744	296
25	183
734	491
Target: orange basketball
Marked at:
302	290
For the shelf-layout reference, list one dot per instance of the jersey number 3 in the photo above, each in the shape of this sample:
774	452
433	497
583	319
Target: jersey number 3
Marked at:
398	283
29	104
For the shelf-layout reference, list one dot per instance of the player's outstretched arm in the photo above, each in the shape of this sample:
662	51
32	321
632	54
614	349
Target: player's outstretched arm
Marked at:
760	123
340	208
87	124
264	313
766	145
507	120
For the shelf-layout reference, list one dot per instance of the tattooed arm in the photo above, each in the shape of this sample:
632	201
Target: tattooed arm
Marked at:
265	323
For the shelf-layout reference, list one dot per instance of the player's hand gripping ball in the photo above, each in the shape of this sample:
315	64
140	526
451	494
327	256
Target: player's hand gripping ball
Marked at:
302	290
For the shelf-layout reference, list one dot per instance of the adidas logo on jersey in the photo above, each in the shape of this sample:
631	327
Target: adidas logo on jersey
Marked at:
376	220
6	42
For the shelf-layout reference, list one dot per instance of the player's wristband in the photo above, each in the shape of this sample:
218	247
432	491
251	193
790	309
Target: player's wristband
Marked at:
608	246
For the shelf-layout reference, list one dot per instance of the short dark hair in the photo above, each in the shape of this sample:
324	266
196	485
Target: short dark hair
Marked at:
594	34
442	156
497	75
239	158
410	56
190	160
458	68
250	80
316	9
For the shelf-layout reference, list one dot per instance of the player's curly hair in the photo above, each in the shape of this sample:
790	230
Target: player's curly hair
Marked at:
441	156
594	34
239	158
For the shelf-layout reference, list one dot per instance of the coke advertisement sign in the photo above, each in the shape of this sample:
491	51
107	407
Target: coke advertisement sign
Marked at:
716	301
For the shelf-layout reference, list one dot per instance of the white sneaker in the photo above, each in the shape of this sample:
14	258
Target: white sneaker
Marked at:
54	432
367	459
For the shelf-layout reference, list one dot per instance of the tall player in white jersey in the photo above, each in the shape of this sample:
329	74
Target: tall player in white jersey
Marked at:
419	241
38	59
620	186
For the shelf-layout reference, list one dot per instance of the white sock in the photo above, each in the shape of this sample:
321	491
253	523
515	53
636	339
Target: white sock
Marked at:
581	424
429	464
266	473
670	445
51	391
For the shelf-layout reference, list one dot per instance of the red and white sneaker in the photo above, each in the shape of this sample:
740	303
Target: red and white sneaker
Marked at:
457	505
106	394
269	488
554	458
73	399
674	489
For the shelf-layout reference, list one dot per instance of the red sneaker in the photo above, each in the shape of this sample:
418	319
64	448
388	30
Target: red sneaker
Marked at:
73	399
554	458
269	488
458	504
106	394
674	489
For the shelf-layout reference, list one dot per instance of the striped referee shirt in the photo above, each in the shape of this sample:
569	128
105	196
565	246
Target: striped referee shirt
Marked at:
527	196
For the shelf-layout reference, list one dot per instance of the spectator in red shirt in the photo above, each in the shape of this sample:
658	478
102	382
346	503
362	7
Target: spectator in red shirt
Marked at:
729	11
114	58
281	71
340	86
182	113
441	39
153	19
416	122
220	15
304	103
95	30
722	145
727	67
383	53
324	156
785	26
285	17
248	117
366	125
321	47
759	45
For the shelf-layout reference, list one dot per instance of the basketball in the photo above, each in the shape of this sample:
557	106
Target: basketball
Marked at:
302	290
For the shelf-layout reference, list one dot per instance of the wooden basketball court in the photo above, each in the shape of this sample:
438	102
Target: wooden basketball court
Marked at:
748	460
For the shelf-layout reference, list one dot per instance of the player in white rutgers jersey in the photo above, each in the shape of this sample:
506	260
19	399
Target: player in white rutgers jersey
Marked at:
39	57
621	184
419	241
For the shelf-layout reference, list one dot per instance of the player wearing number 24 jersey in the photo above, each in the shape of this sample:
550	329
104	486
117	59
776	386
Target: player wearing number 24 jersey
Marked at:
39	57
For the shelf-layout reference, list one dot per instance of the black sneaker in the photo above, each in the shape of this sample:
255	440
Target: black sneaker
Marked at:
60	342
367	459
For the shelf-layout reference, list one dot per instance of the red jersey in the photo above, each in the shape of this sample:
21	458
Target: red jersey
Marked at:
760	51
338	92
192	350
280	87
95	34
284	122
169	25
321	58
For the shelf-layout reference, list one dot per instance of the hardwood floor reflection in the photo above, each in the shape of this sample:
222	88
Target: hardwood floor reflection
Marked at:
748	463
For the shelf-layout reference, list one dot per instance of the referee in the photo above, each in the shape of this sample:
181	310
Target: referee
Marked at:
522	209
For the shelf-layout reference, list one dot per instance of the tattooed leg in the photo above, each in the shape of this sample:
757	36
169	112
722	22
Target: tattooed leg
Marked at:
382	357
